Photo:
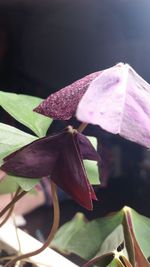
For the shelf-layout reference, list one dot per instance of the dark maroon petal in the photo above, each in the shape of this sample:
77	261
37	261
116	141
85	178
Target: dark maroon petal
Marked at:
86	148
63	104
92	192
86	151
36	159
59	157
70	175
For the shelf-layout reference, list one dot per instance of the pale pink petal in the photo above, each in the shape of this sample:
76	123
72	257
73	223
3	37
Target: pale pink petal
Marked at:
118	100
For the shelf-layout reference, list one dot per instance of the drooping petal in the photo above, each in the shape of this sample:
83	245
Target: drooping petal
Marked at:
118	100
36	159
70	174
59	157
86	151
92	192
62	104
86	148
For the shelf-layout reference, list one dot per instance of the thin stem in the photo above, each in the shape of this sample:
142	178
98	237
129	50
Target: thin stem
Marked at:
17	235
82	127
52	232
12	202
7	216
10	210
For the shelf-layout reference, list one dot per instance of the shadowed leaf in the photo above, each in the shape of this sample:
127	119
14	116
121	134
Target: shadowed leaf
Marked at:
100	238
11	139
8	185
69	230
11	183
91	166
88	239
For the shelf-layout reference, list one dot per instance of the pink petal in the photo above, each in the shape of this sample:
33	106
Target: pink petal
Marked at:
62	104
118	100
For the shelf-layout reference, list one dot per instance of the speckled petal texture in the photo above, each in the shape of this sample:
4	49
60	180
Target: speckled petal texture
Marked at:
118	100
62	104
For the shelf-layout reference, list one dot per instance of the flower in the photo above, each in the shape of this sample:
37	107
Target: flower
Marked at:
59	156
118	101
62	105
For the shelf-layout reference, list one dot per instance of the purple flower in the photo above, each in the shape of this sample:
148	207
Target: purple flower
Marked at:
59	156
118	101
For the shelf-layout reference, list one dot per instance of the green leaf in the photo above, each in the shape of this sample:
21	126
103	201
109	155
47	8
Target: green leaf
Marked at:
97	241
91	166
113	241
93	141
103	263
8	185
108	249
116	263
92	171
65	234
21	107
25	183
11	183
86	242
141	228
12	139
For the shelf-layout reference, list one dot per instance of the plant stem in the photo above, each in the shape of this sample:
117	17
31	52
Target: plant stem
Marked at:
12	202
52	232
7	216
11	209
82	127
17	236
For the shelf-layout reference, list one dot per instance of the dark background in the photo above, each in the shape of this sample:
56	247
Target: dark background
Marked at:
51	43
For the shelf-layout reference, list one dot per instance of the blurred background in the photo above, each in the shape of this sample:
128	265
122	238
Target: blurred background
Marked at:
45	45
